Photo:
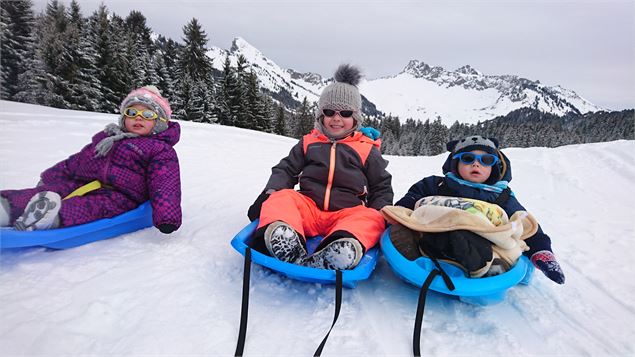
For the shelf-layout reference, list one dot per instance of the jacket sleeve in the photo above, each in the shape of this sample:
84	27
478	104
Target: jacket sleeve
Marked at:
64	170
539	241
286	173
424	188
164	186
380	192
62	176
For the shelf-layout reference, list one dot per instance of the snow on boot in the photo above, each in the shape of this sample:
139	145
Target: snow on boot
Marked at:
40	213
284	243
340	254
5	212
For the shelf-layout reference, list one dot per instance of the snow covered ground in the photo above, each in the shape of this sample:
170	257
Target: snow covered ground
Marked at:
146	293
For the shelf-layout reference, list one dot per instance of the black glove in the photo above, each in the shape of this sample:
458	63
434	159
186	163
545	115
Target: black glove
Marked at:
254	210
546	262
166	228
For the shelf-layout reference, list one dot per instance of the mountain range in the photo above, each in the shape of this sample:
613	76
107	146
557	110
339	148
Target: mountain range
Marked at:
419	91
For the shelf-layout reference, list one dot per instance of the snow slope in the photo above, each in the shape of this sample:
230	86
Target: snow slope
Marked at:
146	293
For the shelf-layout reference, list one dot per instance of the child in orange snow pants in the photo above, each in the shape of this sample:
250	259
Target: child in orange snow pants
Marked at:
343	185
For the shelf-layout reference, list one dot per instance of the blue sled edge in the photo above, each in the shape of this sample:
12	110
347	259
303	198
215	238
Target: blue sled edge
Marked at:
69	237
480	291
350	278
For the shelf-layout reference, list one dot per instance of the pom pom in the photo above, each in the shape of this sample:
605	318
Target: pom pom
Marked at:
348	74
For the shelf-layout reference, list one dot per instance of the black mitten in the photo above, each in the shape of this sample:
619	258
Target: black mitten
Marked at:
166	228
254	210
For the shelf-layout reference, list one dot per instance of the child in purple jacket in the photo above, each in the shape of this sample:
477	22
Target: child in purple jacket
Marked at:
134	161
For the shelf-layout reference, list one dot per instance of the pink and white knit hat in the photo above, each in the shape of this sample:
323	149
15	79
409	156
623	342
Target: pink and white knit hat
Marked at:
150	97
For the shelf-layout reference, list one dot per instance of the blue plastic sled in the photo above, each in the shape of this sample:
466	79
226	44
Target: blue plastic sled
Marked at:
323	276
480	291
69	237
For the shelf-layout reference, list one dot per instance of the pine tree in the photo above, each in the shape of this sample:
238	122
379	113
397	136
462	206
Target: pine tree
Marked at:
195	76
82	77
98	33
17	30
226	94
303	120
55	57
140	50
164	61
267	113
239	111
279	126
119	68
256	116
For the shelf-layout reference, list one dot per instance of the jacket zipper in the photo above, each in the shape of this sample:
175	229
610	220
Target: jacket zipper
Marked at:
106	167
329	185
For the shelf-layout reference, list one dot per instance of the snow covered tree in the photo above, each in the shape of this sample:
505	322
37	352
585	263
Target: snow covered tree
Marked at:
303	120
85	87
55	55
140	50
98	33
227	91
165	59
17	41
279	126
438	137
256	114
119	69
266	118
195	76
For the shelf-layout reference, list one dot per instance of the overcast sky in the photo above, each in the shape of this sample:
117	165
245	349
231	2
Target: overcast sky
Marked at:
586	46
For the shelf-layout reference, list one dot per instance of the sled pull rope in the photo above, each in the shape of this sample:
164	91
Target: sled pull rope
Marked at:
416	336
338	305
421	304
244	310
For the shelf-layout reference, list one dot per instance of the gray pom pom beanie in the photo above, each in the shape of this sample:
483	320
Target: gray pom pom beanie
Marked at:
342	94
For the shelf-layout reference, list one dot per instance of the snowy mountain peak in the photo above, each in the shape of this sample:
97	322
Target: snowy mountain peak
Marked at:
271	76
468	70
240	45
422	91
420	69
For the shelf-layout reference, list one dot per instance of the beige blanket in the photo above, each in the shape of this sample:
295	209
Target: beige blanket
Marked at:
431	216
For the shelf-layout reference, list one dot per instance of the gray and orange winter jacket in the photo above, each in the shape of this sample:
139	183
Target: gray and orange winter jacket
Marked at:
336	174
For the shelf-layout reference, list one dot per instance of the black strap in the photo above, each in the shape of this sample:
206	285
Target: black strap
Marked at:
338	305
503	197
416	336
242	332
446	278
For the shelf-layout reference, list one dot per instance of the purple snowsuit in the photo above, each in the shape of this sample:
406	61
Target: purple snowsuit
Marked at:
133	171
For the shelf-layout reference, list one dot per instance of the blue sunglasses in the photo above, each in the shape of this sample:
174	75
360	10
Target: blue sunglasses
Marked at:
468	158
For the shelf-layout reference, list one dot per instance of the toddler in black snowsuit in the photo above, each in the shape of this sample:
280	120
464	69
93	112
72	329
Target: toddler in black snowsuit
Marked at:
477	169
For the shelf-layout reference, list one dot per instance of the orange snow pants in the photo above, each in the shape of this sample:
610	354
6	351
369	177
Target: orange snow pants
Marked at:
303	215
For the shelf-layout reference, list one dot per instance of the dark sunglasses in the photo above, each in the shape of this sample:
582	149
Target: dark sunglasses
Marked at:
146	114
342	113
468	158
